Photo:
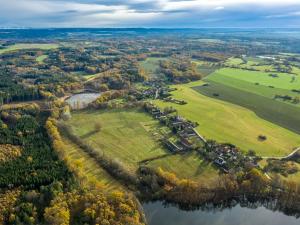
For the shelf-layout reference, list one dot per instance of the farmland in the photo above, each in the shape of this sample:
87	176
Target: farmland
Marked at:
28	46
234	61
226	122
102	120
277	112
225	77
90	167
41	58
129	137
206	68
272	63
257	91
187	166
123	135
283	81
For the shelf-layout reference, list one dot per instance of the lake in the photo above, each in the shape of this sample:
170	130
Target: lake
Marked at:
80	101
158	214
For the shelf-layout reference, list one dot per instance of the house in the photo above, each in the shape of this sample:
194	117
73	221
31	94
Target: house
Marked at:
186	143
188	132
220	161
154	111
178	125
172	146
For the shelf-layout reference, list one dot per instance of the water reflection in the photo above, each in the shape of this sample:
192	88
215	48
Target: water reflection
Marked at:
231	213
80	101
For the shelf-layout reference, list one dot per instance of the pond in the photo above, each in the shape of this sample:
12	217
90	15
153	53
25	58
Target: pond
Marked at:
80	101
158	214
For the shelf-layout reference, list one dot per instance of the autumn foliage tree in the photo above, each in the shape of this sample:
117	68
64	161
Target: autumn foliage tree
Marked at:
93	207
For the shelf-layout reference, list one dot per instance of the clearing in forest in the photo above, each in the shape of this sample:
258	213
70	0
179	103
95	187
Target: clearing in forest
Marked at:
89	166
130	136
122	135
151	65
28	46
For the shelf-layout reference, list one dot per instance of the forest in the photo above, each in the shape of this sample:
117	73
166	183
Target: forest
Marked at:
176	119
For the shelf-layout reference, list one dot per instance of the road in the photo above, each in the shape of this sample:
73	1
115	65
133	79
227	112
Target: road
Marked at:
283	157
200	136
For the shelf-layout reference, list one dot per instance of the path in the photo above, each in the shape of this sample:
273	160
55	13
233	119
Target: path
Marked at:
264	157
280	158
200	136
64	98
283	157
156	94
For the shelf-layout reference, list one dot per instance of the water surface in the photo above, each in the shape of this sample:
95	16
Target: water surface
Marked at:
158	214
80	101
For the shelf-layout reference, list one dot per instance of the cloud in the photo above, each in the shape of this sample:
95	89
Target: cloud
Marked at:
211	4
289	14
154	13
219	8
68	13
26	7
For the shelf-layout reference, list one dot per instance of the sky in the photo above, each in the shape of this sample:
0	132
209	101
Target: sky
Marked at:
150	13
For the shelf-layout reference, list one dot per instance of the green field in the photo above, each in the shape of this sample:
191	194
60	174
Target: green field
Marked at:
291	177
89	166
234	61
277	112
224	77
283	81
263	65
41	58
125	135
226	122
129	137
258	83
256	91
205	68
296	69
150	65
251	63
295	177
28	46
189	165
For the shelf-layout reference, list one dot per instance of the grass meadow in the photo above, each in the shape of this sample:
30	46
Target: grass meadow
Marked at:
187	166
129	137
283	81
277	112
260	64
150	65
227	122
205	68
123	134
28	46
90	167
41	58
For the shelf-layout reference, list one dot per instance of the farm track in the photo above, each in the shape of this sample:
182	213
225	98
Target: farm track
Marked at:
283	157
264	157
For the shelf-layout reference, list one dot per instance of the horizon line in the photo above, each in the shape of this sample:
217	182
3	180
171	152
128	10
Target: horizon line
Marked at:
141	27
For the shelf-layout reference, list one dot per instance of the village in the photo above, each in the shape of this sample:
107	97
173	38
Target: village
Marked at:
226	157
157	89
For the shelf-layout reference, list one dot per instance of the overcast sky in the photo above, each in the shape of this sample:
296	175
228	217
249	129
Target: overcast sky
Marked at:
150	13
